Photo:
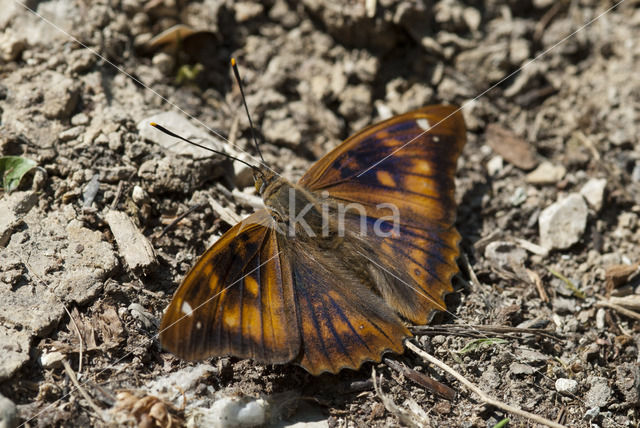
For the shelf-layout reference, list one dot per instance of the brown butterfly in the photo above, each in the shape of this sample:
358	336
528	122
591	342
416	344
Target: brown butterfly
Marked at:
324	275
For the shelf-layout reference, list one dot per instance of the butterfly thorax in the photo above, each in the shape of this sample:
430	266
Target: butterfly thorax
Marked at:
297	211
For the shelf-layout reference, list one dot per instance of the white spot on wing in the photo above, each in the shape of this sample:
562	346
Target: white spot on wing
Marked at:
423	123
186	309
198	325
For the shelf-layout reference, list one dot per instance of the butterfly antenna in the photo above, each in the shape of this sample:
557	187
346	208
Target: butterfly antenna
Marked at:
244	101
173	134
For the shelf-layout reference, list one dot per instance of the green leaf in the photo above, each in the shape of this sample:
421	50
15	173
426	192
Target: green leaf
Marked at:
503	423
481	343
12	169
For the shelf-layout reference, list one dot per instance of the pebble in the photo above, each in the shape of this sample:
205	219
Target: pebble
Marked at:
495	165
566	386
71	133
504	254
11	46
600	315
546	173
138	195
52	359
599	393
562	223
564	306
593	192
133	246
8	413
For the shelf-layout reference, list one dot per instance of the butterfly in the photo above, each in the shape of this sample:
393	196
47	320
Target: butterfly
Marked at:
325	274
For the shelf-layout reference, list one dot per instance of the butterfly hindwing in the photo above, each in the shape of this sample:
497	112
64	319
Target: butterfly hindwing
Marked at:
396	162
236	300
342	322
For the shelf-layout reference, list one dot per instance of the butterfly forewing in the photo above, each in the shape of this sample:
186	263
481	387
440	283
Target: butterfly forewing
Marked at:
236	300
408	161
397	162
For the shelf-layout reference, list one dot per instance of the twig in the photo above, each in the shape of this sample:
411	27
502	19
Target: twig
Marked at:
178	219
618	308
533	275
483	396
423	380
84	393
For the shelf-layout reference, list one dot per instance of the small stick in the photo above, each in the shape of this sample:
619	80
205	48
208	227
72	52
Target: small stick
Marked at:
484	397
423	380
533	275
86	396
618	308
179	218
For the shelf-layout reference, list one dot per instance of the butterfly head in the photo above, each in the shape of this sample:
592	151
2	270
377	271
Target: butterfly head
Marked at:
263	178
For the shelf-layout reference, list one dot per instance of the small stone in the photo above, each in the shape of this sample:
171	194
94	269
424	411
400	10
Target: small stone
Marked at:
12	208
635	175
600	318
61	97
163	62
134	247
505	255
564	306
591	414
562	223
8	413
138	195
495	165
599	393
11	46
566	386
519	368
80	119
50	360
71	133
593	192
546	173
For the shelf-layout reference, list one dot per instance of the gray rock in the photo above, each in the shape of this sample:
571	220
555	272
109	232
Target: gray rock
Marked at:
8	413
505	255
564	306
50	261
12	208
566	386
563	222
628	383
593	192
61	97
599	393
15	350
546	173
519	368
133	246
11	46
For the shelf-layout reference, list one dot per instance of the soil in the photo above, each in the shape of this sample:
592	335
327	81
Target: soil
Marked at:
550	105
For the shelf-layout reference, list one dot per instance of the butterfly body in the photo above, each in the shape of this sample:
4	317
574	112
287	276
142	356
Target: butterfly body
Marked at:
323	275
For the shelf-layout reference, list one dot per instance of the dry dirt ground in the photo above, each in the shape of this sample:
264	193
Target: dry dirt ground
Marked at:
86	270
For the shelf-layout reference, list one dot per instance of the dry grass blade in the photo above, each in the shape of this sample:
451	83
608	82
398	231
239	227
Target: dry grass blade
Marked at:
481	331
483	396
74	380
